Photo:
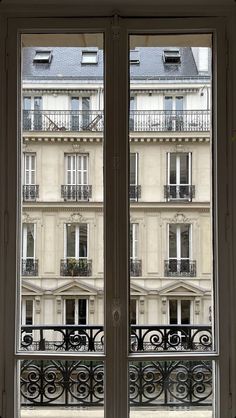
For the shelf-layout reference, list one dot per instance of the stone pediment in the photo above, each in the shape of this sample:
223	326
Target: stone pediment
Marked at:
136	290
30	289
182	289
76	288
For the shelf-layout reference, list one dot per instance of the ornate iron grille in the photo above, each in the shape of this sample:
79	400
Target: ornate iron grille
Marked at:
135	268
179	192
29	267
76	267
161	120
134	192
76	193
80	383
140	120
30	192
180	268
63	120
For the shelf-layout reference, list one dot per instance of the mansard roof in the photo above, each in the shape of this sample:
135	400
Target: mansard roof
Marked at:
66	64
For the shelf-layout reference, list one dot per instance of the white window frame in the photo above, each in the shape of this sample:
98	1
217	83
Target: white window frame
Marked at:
178	242
177	170
136	168
179	300
24	241
76	299
77	242
30	155
134	250
116	206
76	170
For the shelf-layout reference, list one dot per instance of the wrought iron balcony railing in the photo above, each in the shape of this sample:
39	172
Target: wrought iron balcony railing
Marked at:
76	193
76	267
134	192
169	120
81	382
30	192
135	267
183	268
63	120
140	120
179	192
29	267
90	338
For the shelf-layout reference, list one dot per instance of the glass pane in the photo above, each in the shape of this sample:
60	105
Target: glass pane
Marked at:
185	311
184	231
70	311
184	168
70	240
62	226
62	182
173	312
172	241
133	169
172	169
172	138
162	389
30	240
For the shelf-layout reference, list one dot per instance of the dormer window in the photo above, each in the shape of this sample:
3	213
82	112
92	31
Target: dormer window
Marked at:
42	57
134	57
171	56
89	57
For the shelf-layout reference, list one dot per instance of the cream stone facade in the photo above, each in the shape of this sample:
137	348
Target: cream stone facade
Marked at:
171	243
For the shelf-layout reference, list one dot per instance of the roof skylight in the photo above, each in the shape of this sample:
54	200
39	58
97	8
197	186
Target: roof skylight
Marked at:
134	57
89	57
42	57
171	56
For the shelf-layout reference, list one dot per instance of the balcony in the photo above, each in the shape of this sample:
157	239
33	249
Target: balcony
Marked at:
140	120
163	377
180	268
29	267
63	120
179	192
74	193
30	192
165	121
134	192
135	267
76	267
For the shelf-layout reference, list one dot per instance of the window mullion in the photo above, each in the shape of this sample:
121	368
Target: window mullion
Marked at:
116	217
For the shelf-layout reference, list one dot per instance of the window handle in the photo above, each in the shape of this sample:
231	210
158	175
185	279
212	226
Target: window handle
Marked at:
116	312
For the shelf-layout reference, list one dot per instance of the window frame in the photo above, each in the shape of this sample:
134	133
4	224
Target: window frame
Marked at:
116	169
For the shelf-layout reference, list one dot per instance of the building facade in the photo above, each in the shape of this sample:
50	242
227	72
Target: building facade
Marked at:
62	274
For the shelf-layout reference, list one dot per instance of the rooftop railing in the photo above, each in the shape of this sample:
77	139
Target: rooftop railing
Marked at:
154	383
139	120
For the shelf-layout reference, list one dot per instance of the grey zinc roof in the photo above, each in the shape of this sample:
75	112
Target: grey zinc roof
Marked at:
66	64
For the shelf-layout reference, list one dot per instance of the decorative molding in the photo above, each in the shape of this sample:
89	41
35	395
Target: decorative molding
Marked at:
91	305
163	139
37	305
59	304
197	306
26	218
65	139
142	305
163	305
179	218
